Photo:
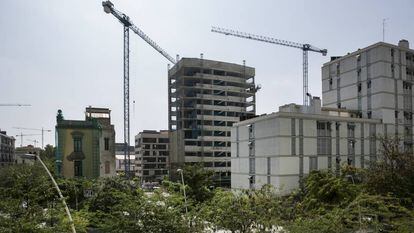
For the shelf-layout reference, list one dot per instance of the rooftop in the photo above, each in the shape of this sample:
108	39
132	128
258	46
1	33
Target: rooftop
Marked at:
403	45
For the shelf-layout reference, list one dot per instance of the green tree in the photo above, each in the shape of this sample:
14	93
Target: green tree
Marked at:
228	211
199	182
393	173
29	201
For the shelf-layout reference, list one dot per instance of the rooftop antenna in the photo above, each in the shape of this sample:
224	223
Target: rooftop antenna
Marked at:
383	28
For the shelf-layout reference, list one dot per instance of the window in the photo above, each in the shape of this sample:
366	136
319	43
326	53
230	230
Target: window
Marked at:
313	163
252	165
369	84
338	70
369	114
149	140
163	140
106	143
107	167
251	131
77	144
350	161
359	87
324	138
78	168
251	148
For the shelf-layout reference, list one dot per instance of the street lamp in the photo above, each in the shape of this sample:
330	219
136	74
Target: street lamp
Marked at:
72	225
185	196
359	206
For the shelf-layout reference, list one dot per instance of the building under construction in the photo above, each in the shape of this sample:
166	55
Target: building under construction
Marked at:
205	98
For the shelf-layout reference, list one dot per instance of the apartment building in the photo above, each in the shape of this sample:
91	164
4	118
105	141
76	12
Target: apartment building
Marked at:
152	155
367	94
377	82
6	149
283	147
205	99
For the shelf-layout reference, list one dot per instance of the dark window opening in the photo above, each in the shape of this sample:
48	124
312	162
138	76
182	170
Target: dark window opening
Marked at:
106	143
78	168
77	144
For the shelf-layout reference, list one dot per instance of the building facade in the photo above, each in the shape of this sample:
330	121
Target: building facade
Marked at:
120	158
367	94
152	155
205	99
281	148
377	82
86	148
7	144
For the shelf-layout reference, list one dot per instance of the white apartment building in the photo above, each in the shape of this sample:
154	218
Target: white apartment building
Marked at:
366	94
282	147
377	82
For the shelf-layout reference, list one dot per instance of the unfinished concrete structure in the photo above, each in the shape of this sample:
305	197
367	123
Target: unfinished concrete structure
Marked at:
151	155
205	98
376	81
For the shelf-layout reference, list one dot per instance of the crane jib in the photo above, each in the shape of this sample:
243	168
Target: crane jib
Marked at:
304	47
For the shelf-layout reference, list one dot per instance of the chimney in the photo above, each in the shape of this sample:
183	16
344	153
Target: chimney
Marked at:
316	105
404	44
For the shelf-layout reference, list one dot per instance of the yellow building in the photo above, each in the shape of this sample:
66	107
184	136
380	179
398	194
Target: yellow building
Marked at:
86	148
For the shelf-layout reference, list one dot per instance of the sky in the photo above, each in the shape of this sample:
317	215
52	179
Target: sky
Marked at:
68	54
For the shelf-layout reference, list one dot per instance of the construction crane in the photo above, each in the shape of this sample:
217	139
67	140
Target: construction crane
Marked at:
21	135
127	23
34	141
42	130
15	105
304	47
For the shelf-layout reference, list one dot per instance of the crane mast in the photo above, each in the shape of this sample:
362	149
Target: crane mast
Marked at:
304	47
21	135
42	130
127	24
